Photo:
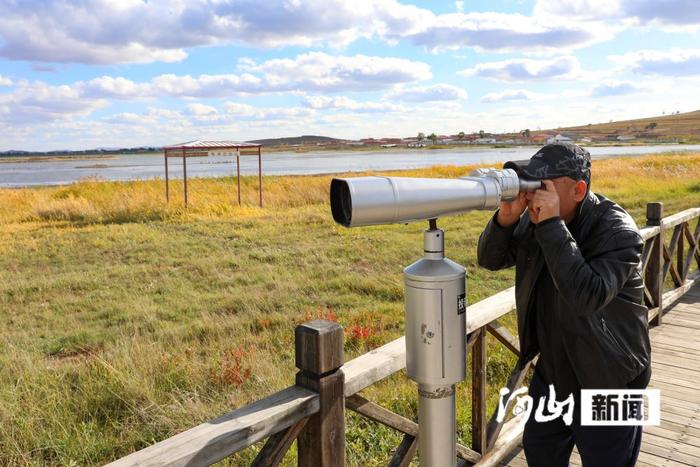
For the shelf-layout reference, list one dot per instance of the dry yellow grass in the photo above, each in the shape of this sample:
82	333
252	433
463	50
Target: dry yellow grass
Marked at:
124	321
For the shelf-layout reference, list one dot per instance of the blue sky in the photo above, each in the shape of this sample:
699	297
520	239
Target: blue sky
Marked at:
104	73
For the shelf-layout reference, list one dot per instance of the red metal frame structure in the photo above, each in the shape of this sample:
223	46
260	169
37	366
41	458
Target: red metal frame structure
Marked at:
202	149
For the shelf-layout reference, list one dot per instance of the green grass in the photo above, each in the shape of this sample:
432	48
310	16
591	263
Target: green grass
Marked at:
123	321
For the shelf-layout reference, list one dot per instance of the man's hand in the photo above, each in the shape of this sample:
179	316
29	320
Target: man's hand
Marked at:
509	211
546	202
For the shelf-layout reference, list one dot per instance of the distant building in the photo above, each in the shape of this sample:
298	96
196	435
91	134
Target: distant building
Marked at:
559	139
539	138
625	138
485	141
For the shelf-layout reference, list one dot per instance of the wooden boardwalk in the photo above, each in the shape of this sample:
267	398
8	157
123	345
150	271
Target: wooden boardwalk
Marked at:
676	373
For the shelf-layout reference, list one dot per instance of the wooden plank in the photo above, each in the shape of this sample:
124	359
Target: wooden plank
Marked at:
674	340
515	380
663	432
680	355
405	453
672	389
675	400
318	347
660	368
277	446
212	441
686	323
665	450
670	266
479	421
653	276
687	312
678	218
511	435
489	309
374	366
682	410
502	333
692	246
646	459
663	345
674	380
685	317
649	231
676	359
380	414
675	294
682	428
377	413
675	330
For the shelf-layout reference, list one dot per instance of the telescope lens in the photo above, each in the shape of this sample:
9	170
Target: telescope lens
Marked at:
341	202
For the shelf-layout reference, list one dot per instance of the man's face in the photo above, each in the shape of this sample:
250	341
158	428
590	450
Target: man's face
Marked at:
570	193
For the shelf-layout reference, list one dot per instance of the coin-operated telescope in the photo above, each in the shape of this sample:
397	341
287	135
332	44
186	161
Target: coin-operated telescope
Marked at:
435	287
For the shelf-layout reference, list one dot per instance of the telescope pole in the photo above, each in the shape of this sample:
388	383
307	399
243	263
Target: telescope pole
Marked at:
436	346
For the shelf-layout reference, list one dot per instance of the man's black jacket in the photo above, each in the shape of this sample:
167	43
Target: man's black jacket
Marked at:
595	264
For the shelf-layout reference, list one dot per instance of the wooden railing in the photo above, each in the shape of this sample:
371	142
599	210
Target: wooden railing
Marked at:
312	411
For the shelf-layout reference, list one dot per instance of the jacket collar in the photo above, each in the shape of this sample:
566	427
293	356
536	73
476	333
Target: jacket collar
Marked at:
583	210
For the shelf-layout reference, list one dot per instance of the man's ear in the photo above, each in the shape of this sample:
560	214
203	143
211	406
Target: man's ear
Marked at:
580	190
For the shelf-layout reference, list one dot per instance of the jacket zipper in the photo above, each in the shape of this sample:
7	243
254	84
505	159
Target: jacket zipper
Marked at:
607	331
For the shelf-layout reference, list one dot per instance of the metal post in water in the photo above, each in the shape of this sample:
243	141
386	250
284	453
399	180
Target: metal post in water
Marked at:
436	345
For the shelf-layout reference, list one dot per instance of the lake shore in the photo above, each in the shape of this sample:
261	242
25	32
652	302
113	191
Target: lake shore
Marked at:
145	167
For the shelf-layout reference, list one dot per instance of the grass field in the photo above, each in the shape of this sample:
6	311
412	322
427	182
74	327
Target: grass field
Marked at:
124	321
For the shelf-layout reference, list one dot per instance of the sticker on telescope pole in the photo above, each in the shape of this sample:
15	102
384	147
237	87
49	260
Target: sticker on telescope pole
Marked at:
461	303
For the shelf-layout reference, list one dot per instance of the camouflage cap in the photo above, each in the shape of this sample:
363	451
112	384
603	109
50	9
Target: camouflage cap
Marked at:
555	160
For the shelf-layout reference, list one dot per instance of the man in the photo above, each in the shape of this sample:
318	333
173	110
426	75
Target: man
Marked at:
579	297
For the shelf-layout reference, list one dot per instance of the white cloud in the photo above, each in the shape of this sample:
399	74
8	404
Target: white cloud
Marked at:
435	92
614	88
502	32
104	31
315	71
565	67
665	13
511	95
108	32
318	71
206	85
94	31
344	103
39	102
239	111
113	87
5	81
198	109
672	63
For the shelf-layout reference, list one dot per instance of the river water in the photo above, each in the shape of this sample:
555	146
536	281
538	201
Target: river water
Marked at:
146	166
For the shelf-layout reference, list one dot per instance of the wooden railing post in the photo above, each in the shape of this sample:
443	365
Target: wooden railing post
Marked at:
479	392
319	356
654	278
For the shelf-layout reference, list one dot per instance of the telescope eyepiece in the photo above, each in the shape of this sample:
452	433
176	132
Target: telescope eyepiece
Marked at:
341	202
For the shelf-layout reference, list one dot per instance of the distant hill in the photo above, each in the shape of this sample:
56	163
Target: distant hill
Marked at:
682	126
296	140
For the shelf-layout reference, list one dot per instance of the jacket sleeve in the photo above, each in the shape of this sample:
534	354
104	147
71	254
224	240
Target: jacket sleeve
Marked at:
588	284
496	249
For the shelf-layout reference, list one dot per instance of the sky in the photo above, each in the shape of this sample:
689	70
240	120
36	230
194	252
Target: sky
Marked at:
125	73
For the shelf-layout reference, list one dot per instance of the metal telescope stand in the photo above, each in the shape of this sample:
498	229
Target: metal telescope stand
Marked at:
436	345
